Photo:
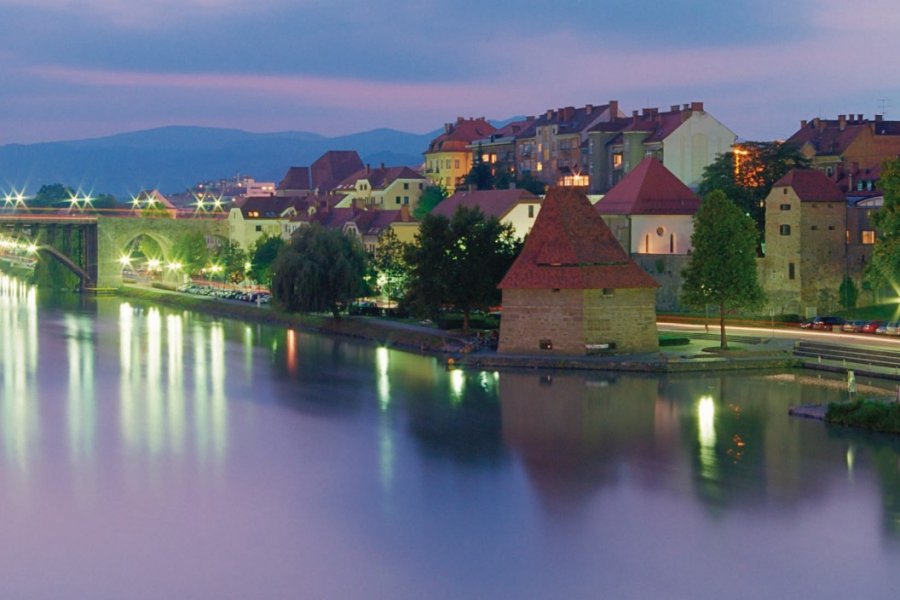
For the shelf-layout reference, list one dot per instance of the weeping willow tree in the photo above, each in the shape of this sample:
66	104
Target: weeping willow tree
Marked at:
318	270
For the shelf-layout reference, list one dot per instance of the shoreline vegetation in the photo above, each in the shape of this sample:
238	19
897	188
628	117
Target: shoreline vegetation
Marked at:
459	348
865	413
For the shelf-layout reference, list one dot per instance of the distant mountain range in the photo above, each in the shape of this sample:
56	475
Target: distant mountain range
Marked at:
171	159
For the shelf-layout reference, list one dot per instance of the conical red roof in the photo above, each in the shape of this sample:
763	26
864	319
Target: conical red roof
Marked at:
570	247
649	189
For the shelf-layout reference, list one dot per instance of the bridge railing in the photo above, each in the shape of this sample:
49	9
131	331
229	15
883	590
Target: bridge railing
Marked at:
41	213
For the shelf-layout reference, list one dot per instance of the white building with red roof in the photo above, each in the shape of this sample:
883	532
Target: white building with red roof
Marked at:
515	207
573	289
651	211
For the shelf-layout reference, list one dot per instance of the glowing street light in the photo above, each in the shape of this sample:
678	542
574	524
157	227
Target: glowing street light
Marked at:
125	261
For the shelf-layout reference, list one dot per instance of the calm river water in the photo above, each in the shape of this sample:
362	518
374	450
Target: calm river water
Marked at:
149	453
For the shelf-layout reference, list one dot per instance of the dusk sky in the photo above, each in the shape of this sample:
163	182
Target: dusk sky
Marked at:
85	68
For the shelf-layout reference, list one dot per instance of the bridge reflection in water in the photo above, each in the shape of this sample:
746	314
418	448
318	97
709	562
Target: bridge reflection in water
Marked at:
171	384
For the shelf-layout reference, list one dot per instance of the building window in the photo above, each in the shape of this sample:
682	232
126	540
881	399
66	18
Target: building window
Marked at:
420	186
784	191
405	199
671	243
868	237
790	270
531	211
815	227
456	164
545	344
831	228
405	186
259	227
647	244
617	160
785	230
785	207
397	199
608	291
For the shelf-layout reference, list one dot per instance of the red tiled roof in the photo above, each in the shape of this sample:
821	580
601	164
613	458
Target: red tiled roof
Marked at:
333	167
828	136
493	203
570	247
457	136
811	186
649	189
378	178
297	178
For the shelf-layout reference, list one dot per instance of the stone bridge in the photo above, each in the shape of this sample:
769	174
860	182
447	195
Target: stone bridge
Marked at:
103	239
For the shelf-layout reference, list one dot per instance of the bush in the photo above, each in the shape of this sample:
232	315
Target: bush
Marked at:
868	414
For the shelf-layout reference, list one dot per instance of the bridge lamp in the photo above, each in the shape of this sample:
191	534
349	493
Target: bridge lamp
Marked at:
135	202
88	200
153	264
174	266
31	248
125	261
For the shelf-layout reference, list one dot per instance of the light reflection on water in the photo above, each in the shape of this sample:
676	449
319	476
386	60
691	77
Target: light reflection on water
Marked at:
331	469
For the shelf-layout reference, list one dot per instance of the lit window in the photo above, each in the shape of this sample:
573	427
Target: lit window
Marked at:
617	160
868	237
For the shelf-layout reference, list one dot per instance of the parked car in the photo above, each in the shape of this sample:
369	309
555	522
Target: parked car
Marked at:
852	326
892	328
870	327
882	329
826	323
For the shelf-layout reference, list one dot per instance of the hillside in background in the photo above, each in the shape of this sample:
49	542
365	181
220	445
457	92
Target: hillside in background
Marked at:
172	159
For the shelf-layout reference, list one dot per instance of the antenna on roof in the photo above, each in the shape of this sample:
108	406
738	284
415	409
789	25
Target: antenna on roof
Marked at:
883	105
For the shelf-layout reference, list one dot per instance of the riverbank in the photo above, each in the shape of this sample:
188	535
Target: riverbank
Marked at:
454	346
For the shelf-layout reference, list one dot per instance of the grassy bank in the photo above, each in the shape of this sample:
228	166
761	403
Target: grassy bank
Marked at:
359	328
866	414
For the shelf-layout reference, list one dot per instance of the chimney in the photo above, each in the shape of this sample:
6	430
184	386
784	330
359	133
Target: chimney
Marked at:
613	109
634	116
803	124
367	169
686	106
448	127
382	166
859	118
697	106
879	118
549	113
588	109
673	108
842	121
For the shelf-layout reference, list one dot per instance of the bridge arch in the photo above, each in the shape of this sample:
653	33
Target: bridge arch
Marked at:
115	234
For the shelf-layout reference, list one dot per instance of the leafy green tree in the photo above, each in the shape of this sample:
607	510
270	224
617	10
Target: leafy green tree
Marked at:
318	270
848	292
264	252
884	267
459	262
722	268
747	173
392	270
191	251
233	259
431	197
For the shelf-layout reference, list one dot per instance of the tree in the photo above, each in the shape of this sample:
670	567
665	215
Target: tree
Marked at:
431	197
52	195
191	251
884	268
459	262
722	268
233	260
318	270
480	175
391	266
263	254
528	182
747	173
848	292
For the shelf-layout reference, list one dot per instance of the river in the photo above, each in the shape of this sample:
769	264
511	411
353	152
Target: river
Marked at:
154	453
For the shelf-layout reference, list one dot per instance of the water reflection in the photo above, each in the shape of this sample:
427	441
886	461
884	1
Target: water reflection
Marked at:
18	366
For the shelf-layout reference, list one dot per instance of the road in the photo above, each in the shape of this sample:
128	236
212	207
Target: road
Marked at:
882	342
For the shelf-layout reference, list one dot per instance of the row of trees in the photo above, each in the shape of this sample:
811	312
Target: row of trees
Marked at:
455	262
